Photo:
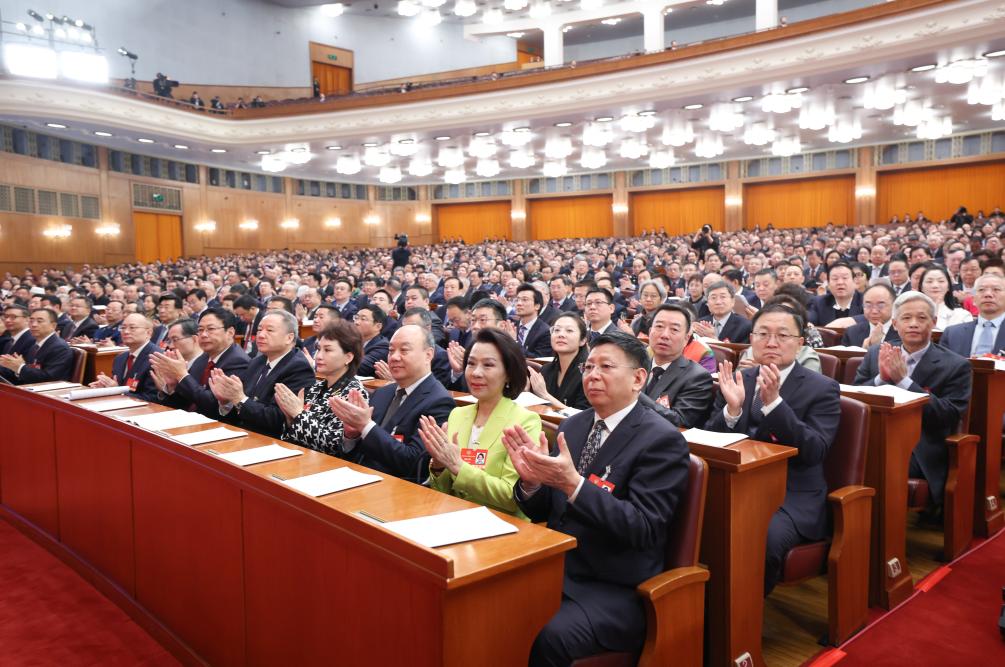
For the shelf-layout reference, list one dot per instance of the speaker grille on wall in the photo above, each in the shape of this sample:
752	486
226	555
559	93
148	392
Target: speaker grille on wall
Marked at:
156	197
48	203
6	203
90	207
24	200
69	204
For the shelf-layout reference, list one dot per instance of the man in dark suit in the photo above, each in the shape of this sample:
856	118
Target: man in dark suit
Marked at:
248	399
721	322
898	272
875	325
323	314
986	334
613	484
681	390
55	304
384	434
114	314
923	367
418	297
532	333
560	289
48	360
18	339
780	401
841	300
81	324
248	309
369	321
878	258
132	368
342	299
188	387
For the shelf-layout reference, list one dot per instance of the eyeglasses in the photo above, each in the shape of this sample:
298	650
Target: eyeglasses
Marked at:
782	338
202	330
604	369
175	341
596	303
484	320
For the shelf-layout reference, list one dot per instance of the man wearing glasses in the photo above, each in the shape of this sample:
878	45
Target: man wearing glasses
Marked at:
188	386
599	309
875	325
780	401
132	368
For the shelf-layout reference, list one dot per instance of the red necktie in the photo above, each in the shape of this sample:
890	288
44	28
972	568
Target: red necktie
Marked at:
129	364
205	373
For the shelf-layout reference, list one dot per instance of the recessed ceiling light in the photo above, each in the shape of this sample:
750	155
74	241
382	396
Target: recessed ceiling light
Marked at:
605	119
370	144
262	152
995	54
301	149
443	138
181	147
857	79
218	150
692	107
410	141
611	21
482	134
924	68
521	129
99	133
646	113
797	89
56	126
514	35
334	147
564	123
744	98
145	141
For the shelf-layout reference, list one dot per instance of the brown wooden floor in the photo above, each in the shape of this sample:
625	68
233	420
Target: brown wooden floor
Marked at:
795	617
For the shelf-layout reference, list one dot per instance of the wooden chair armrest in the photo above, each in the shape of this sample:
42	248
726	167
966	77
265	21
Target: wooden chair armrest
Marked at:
848	561
957	439
675	615
849	494
666	582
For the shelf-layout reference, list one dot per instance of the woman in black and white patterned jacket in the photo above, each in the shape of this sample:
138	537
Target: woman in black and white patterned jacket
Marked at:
309	420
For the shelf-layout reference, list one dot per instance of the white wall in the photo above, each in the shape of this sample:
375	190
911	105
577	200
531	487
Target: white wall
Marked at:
251	42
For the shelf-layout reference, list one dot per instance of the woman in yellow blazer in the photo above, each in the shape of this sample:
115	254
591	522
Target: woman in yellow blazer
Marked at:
468	459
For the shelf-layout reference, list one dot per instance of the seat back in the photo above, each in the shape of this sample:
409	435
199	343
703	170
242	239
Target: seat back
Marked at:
79	365
550	430
829	365
684	537
851	369
536	365
723	354
845	463
830	336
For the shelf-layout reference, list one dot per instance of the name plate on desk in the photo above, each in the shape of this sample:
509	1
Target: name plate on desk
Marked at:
440	530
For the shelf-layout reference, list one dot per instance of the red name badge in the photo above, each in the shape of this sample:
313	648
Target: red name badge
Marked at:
663	400
133	384
602	483
34	364
475	457
399	437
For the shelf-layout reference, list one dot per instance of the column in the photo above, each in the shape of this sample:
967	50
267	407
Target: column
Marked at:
733	197
619	204
553	49
767	15
865	187
653	35
518	212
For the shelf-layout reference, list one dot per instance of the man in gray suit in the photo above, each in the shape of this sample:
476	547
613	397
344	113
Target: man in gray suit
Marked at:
986	334
680	389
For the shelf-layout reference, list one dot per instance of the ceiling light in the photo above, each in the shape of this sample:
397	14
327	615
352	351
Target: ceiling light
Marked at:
540	10
145	141
348	165
389	175
299	149
420	166
597	135
515	35
998	111
273	163
99	133
32	61
646	113
987	91
443	138
924	68
612	21
514	5
781	102
21	27
482	134
218	150
935	127
661	160
857	79
995	54
465	8
480	147
677	132
376	157
408	8
263	152
758	134
604	119
883	94
487	168
961	71
404	148
333	10
744	98
633	149
181	147
725	117
333	147
564	123
797	89
520	136
555	169
786	146
370	144
558	148
430	18
844	130
450	157
816	114
636	123
692	107
296	155
590	5
454	176
592	158
56	126
522	159
708	145
492	17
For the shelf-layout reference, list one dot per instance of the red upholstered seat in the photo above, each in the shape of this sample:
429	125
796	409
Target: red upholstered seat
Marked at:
829	365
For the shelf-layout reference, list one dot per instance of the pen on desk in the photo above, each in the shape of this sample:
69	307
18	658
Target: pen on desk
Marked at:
279	477
370	516
213	452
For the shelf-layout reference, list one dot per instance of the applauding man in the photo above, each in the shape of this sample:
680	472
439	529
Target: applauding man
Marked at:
614	485
132	368
49	359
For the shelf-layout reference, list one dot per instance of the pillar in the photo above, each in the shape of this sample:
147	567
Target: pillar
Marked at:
766	16
653	35
733	197
865	187
553	46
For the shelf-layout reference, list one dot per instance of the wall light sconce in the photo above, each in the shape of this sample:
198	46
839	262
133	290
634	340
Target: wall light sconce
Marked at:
423	217
108	229
249	225
290	223
619	209
58	232
734	200
205	227
865	191
372	219
332	223
518	215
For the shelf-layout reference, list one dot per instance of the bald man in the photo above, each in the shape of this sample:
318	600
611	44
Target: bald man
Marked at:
132	368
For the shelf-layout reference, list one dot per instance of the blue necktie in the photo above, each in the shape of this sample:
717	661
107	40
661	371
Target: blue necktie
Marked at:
986	342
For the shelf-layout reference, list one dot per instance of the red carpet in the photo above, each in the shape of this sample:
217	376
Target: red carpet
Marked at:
50	616
954	623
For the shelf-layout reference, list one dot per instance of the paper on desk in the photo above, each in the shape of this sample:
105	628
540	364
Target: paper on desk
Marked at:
845	348
442	529
247	457
159	421
700	436
1000	364
112	348
466	398
330	481
96	392
53	386
565	412
364	378
898	395
209	435
113	404
527	399
543	360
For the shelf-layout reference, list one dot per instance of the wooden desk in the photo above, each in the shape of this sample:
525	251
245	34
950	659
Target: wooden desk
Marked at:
99	360
894	430
987	403
306	331
226	566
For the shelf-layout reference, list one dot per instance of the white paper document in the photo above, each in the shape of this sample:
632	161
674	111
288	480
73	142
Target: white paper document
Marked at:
247	457
113	404
899	395
330	481
442	529
53	386
1000	364
527	399
159	421
700	436
845	348
97	392
564	412
209	435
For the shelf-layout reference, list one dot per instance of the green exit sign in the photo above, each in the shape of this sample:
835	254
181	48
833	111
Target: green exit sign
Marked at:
332	56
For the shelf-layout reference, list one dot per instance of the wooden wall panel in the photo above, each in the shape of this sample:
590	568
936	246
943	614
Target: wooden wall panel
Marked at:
939	191
473	222
679	211
571	217
805	202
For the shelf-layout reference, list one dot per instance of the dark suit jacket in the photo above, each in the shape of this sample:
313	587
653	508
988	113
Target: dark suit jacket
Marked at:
960	337
537	342
158	336
946	377
310	344
375	350
250	346
439	333
807	419
108	332
405	458
736	330
145	388
621	534
86	328
549	314
22	346
568	305
857	334
822	313
348	310
54	361
570	391
688	391
260	412
190	392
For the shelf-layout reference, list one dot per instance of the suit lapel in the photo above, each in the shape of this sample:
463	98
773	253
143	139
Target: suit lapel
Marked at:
927	367
500	417
616	440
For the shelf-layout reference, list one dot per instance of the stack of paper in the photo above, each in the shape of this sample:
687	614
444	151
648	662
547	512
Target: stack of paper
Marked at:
159	421
207	436
53	386
845	348
113	404
898	395
330	481
248	457
527	399
712	438
450	528
96	392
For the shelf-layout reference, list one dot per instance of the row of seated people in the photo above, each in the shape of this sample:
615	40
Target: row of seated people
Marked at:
620	465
